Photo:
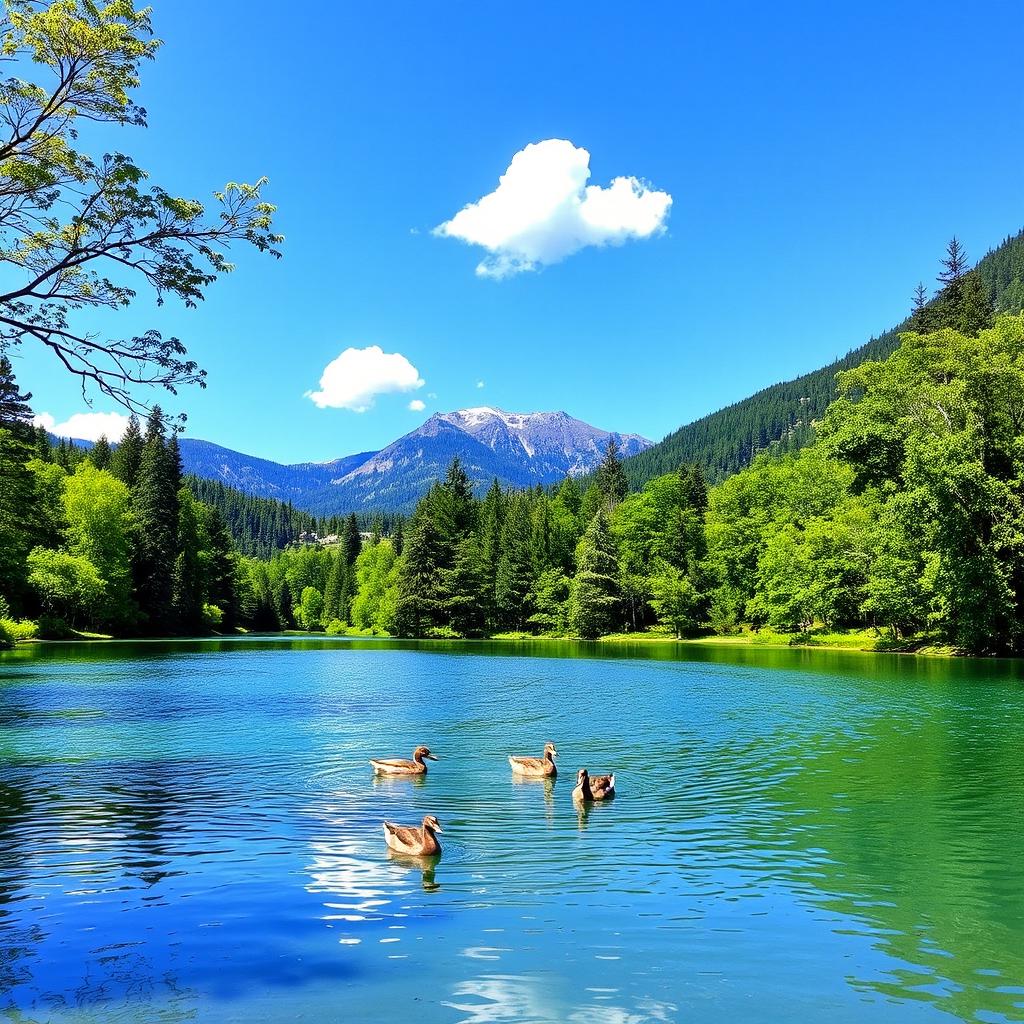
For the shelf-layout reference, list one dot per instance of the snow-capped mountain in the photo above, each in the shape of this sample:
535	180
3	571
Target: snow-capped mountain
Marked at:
517	449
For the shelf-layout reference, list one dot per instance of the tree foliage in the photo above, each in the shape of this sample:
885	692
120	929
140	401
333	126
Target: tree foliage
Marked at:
80	233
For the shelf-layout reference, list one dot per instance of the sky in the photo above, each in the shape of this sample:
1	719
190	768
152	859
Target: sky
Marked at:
696	201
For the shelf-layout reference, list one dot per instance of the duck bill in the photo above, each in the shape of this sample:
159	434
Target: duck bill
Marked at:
430	757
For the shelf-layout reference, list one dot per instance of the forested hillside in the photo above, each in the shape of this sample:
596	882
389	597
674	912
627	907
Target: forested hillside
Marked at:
258	526
782	415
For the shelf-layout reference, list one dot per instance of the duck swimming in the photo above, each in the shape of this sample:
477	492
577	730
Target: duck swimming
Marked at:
593	787
402	765
536	767
414	841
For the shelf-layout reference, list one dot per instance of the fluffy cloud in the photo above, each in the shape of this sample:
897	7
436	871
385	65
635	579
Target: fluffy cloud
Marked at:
417	406
480	384
358	375
86	426
543	210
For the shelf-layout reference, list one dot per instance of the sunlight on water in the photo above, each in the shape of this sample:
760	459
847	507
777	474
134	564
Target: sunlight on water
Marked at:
192	831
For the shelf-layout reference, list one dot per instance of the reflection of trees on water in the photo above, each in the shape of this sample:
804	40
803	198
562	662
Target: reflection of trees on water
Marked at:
909	824
90	836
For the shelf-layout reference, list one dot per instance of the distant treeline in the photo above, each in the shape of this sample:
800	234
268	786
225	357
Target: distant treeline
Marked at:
905	513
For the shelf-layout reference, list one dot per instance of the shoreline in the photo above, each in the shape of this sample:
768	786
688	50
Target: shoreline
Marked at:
852	643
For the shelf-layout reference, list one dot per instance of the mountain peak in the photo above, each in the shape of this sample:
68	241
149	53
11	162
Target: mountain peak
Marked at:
519	449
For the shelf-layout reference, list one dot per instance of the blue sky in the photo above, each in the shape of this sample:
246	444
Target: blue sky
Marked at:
817	156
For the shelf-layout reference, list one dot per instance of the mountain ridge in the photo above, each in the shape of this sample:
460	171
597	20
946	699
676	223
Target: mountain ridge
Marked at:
782	414
517	449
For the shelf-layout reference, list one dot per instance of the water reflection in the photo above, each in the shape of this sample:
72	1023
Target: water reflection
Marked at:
426	866
182	829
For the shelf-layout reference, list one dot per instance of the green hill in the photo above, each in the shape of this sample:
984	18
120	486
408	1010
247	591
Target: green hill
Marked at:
782	415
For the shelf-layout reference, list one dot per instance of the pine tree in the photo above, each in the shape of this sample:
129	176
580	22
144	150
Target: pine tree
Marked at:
419	596
492	520
514	576
453	507
594	593
610	476
954	264
187	582
124	462
351	545
976	309
465	589
221	564
174	463
156	515
100	454
15	412
921	314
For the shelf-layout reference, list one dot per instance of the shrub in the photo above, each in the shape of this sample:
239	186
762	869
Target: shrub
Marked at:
335	627
213	617
19	629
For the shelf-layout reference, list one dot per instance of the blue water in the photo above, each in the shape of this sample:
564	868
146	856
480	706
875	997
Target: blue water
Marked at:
191	832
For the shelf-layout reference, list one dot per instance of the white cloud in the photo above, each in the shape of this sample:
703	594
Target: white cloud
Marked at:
358	375
480	384
543	211
86	426
417	406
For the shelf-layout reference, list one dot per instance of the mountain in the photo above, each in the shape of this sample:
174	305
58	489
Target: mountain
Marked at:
261	477
518	449
783	414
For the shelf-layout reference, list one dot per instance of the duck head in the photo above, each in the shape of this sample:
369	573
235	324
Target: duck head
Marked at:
549	751
431	824
582	776
423	752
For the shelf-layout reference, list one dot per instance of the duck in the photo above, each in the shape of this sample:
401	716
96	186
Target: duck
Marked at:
402	765
536	767
593	787
412	840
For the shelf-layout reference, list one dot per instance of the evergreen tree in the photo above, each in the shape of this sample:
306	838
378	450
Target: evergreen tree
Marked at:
125	460
100	454
514	576
610	476
351	546
454	509
492	521
156	514
15	412
17	486
174	463
187	581
465	589
954	267
976	309
419	607
594	594
221	564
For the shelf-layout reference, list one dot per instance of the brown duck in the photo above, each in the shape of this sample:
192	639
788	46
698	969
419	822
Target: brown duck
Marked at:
536	767
414	841
402	765
593	787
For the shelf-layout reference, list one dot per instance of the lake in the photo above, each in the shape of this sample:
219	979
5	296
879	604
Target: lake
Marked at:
190	831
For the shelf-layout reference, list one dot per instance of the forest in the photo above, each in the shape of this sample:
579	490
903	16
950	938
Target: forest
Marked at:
782	417
902	513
